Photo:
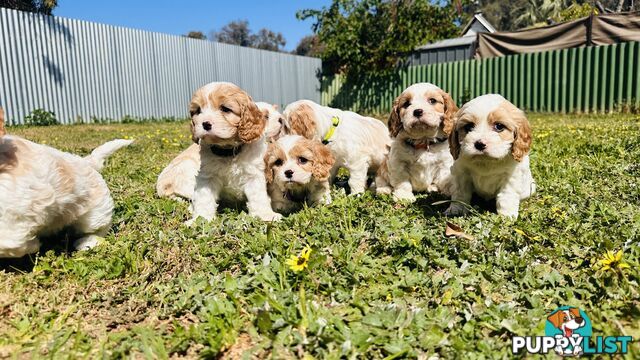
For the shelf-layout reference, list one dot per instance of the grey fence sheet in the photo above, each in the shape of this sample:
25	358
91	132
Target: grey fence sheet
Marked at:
82	70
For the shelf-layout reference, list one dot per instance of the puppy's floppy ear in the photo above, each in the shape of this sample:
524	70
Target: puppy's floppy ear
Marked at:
575	312
450	110
323	161
2	131
302	121
394	123
556	318
252	121
454	137
522	142
269	159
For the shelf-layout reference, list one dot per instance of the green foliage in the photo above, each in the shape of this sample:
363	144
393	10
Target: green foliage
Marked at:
238	33
41	117
36	6
373	36
575	11
199	35
309	46
383	280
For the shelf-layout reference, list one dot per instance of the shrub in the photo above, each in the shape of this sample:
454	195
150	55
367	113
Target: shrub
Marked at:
41	117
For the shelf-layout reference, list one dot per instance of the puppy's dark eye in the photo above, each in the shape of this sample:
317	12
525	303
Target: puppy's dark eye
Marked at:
432	101
499	127
278	162
196	111
406	104
303	160
224	109
468	127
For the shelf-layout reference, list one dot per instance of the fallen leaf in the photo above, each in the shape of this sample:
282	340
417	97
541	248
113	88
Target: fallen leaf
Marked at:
456	231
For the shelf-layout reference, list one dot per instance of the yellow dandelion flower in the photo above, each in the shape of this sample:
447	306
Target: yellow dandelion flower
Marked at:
611	261
300	262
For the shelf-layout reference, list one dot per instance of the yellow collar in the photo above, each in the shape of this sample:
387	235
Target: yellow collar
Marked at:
335	121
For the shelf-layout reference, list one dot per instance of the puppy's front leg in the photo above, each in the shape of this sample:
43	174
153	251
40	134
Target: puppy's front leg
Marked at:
358	177
205	199
508	203
460	193
400	182
321	195
258	201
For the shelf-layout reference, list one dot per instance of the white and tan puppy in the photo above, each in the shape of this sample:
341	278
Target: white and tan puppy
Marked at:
358	143
297	172
230	130
178	179
419	160
490	145
43	190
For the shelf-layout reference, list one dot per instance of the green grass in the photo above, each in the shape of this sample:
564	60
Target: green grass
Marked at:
383	280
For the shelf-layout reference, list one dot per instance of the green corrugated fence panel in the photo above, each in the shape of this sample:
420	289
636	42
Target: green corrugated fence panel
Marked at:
588	79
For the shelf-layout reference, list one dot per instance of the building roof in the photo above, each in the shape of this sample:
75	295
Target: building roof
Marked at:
465	40
477	24
478	17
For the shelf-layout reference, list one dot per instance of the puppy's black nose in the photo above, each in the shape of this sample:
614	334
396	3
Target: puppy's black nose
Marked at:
206	125
579	320
418	112
288	174
480	145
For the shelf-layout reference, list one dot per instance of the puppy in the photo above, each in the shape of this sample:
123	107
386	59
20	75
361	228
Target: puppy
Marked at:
178	179
43	190
297	171
567	321
230	130
490	145
358	143
419	159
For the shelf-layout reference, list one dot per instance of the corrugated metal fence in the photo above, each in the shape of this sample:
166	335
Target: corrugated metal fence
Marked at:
81	70
587	79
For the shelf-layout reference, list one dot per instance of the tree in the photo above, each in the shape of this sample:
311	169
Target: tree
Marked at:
374	35
235	33
35	6
196	35
238	33
308	46
266	39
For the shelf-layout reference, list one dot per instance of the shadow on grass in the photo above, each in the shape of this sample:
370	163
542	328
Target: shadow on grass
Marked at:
60	244
435	204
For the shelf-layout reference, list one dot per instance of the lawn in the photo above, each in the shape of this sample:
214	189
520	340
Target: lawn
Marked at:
383	280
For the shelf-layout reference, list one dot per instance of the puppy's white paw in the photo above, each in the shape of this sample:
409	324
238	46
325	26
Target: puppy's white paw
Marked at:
404	196
269	216
384	190
510	213
456	210
87	242
577	350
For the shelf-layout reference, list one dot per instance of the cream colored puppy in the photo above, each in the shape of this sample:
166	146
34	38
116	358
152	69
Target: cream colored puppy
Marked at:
419	159
230	130
297	172
358	143
490	145
43	190
178	179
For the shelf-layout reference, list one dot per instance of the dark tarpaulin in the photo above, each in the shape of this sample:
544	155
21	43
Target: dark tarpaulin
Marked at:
615	28
593	30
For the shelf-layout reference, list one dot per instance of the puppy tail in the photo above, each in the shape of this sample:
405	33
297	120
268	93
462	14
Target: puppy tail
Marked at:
102	152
